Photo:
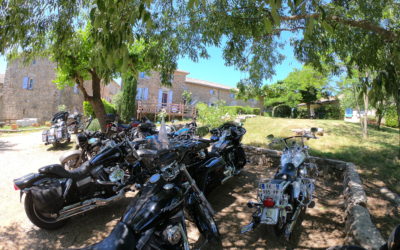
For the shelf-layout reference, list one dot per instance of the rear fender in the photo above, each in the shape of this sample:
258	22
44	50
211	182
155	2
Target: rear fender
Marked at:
28	180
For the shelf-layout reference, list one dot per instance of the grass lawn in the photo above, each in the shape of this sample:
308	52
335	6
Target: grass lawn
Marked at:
378	157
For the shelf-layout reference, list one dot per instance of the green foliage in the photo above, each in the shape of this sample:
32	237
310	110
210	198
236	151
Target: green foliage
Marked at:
391	118
127	103
214	116
88	109
243	110
94	125
117	101
281	110
62	107
331	112
187	96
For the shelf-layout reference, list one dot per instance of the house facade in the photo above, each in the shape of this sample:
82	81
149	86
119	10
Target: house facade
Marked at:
28	91
150	91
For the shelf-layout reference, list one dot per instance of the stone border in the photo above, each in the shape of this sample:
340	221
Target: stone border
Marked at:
358	225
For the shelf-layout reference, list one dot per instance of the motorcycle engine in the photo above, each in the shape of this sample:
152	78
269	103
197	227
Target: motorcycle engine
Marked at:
116	174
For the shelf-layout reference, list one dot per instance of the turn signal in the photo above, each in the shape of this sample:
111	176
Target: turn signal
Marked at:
269	202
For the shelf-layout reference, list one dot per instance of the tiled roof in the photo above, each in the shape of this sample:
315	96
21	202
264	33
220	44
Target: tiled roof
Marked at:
207	83
2	78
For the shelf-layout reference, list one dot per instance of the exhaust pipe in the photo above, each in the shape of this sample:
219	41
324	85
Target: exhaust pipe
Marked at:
87	205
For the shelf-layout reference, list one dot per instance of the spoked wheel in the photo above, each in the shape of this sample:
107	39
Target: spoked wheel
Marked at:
40	219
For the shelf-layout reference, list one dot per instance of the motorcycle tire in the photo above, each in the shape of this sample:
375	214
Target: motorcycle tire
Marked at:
37	218
213	231
240	159
71	162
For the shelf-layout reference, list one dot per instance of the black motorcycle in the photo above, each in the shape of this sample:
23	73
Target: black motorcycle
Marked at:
55	194
155	219
58	132
228	139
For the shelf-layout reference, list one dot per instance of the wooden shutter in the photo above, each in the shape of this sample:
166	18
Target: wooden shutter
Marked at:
170	93
145	93
25	82
139	94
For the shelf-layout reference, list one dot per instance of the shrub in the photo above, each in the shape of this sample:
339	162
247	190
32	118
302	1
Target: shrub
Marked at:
214	116
281	110
88	109
391	117
94	125
243	110
333	112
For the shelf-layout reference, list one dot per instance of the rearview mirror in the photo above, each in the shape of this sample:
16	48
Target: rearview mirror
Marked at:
270	137
314	130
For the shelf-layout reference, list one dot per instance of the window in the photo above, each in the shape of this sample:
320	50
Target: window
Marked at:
76	90
232	95
27	83
142	75
142	93
33	61
212	92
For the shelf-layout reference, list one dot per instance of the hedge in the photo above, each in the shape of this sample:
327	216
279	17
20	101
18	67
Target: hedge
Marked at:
281	110
391	119
88	109
243	110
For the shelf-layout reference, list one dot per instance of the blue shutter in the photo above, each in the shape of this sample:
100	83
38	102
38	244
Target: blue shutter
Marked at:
142	74
139	94
146	93
170	93
25	82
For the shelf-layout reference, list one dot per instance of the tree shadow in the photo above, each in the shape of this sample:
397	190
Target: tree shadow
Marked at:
79	231
6	146
61	147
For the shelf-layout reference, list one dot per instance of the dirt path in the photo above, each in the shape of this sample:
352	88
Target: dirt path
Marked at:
322	226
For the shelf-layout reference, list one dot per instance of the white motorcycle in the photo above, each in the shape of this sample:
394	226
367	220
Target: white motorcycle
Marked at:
58	132
284	197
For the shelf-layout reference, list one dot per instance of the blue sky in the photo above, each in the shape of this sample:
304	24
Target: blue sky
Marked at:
214	70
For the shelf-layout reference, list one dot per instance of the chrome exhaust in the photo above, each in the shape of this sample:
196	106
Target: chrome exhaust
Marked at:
87	205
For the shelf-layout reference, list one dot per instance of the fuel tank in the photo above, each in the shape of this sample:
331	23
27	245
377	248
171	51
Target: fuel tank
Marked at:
153	204
108	155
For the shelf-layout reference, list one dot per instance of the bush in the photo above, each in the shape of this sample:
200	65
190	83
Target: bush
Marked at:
281	110
391	117
94	125
88	109
243	110
332	112
214	116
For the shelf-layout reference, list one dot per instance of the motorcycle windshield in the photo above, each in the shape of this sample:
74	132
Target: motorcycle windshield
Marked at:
293	155
151	205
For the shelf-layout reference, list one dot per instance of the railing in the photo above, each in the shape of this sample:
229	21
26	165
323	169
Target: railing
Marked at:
172	109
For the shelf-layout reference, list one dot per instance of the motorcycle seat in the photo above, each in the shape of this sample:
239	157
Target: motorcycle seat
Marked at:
60	171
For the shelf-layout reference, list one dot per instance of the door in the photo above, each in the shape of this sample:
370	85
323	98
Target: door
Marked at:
164	99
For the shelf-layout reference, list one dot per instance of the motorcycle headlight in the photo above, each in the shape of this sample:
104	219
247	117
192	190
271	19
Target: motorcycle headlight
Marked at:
284	177
172	234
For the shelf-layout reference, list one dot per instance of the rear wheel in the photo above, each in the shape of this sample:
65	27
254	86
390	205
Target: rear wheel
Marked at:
40	219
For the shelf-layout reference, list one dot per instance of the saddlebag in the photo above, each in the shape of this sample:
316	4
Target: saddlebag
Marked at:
47	196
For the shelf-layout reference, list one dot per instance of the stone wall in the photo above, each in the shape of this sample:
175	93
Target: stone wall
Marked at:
359	228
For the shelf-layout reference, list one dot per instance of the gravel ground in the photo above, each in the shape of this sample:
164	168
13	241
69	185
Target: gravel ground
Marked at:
322	226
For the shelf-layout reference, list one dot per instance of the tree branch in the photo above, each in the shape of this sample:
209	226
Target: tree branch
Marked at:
363	24
80	82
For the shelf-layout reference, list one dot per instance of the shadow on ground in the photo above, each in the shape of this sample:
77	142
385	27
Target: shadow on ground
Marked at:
61	147
6	146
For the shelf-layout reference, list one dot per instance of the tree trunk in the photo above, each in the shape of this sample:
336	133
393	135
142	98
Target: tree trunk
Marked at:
261	100
309	110
365	123
379	121
97	104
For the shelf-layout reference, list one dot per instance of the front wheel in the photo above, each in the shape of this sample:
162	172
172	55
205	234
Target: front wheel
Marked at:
38	218
207	225
71	162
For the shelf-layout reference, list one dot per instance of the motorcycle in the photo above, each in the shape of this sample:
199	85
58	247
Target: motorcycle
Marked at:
283	198
228	139
155	219
58	132
74	123
55	194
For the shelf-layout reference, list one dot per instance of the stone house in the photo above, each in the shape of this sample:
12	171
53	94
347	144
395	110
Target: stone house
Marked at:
150	92
29	92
